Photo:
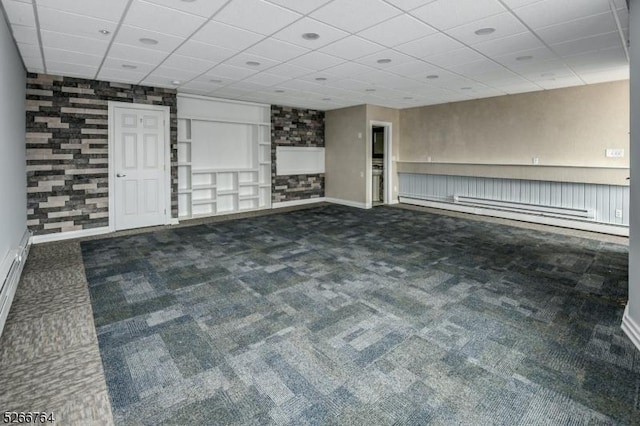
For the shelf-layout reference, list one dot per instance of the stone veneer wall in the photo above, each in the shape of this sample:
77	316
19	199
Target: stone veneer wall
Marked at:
295	127
67	154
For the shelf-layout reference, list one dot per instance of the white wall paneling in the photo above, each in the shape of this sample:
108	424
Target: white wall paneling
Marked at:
608	203
292	160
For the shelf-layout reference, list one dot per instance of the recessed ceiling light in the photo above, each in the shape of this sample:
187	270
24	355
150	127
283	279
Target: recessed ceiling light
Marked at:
370	90
465	88
384	61
215	80
485	31
149	41
252	63
104	32
176	82
129	67
321	79
310	36
433	76
279	91
524	58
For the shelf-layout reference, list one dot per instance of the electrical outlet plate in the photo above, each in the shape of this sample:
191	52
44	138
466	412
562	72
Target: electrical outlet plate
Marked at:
618	213
614	153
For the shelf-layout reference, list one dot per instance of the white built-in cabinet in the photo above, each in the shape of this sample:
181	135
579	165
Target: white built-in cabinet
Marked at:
224	156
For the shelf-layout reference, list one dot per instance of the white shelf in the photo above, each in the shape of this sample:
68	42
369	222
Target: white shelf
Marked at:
223	120
185	141
202	187
200	202
228	192
184	191
184	164
248	183
248	197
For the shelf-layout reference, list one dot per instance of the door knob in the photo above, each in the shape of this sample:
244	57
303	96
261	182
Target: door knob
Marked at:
121	175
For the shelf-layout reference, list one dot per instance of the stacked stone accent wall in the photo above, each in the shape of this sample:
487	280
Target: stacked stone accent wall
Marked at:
67	152
295	127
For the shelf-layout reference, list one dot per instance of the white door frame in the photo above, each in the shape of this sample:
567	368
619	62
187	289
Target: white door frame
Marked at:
388	161
167	157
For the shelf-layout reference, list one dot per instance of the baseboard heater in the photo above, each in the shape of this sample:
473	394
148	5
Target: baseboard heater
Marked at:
10	272
535	209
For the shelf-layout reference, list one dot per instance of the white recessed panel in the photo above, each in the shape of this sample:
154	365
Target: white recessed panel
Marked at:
150	151
151	196
293	33
74	24
276	50
219	34
351	47
430	45
355	15
396	31
19	13
304	7
110	10
227	145
131	36
129	151
200	8
550	12
448	14
207	52
299	160
161	19
256	15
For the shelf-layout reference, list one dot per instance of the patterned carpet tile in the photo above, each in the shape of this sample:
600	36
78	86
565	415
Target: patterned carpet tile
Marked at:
342	316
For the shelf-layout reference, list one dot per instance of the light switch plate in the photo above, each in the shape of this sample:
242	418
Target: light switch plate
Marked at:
614	153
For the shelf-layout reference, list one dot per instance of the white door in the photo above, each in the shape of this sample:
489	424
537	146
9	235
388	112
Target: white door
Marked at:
139	160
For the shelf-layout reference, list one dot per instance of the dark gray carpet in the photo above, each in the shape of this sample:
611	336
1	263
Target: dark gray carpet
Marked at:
336	315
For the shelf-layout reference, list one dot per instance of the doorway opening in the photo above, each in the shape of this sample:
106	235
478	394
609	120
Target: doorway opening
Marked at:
377	165
380	179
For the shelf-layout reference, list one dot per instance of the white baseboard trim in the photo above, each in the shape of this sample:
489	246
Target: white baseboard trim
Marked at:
61	236
631	328
11	270
394	201
294	203
174	221
348	203
544	220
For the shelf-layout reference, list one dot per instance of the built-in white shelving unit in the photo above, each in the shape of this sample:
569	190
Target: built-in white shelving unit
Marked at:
224	156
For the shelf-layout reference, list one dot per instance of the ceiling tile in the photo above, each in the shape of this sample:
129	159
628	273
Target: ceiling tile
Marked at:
138	54
131	36
504	24
348	14
514	4
416	69
351	47
550	12
201	8
69	23
155	81
316	61
396	31
408	5
266	79
246	60
598	60
27	35
560	82
349	69
512	44
116	64
70	42
120	75
289	70
580	28
199	86
601	41
29	50
448	14
304	7
181	74
430	45
184	62
263	18
396	58
219	34
161	19
455	57
537	55
111	10
604	76
293	33
207	52
276	50
71	70
229	73
69	57
474	68
19	13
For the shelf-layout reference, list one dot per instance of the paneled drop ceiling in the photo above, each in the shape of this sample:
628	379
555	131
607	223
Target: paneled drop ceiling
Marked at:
395	53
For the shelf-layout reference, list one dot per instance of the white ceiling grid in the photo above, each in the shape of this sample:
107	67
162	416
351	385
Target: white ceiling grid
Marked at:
395	53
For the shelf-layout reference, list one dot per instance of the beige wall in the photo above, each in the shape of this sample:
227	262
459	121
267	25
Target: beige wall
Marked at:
389	115
345	154
562	127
